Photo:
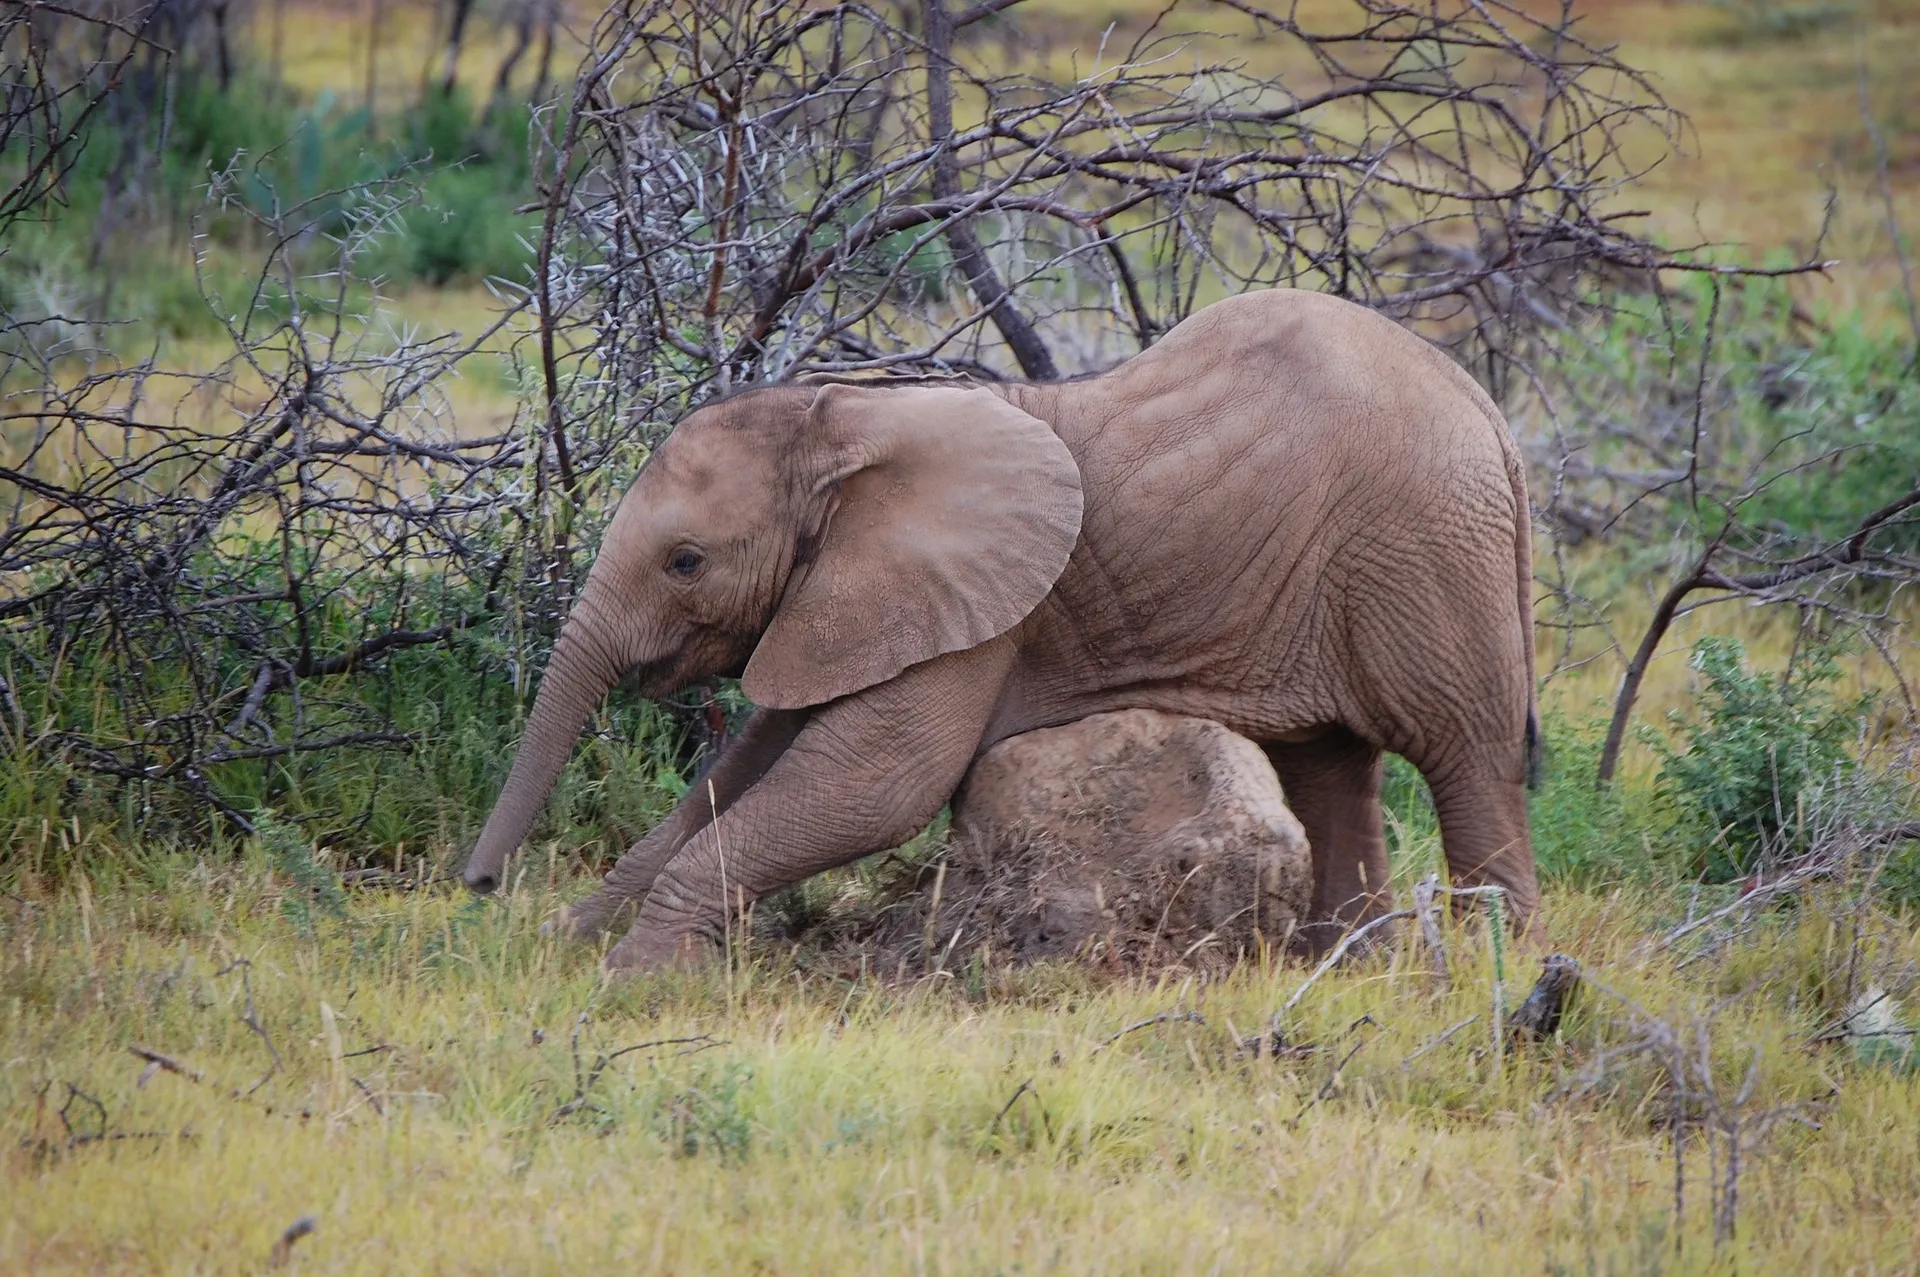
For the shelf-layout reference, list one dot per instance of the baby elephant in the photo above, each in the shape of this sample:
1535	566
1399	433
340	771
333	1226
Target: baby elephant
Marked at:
1290	516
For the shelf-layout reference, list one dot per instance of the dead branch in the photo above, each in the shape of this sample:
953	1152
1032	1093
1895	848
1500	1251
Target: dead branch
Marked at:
1165	1017
251	1018
156	1061
283	1245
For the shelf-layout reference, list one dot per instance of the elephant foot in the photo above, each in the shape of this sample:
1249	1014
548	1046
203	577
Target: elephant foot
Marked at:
648	949
588	919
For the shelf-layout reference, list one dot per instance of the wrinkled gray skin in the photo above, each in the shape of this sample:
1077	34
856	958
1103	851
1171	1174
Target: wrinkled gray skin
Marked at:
1290	516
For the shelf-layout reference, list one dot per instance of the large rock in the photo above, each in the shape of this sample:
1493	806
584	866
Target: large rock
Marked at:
1132	838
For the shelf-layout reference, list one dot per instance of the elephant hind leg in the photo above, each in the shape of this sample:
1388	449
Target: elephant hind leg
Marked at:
1483	833
1332	783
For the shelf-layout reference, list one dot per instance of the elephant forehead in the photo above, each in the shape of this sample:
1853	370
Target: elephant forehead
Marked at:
704	471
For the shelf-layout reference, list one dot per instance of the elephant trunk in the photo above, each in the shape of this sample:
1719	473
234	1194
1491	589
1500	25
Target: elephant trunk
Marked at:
582	670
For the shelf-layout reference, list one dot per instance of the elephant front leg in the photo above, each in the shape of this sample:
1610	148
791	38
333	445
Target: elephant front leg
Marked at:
764	737
865	774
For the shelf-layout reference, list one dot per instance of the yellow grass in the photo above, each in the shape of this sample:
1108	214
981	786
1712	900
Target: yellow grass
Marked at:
1776	120
866	1125
834	1125
1776	116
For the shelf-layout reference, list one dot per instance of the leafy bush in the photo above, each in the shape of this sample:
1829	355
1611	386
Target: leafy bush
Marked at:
463	228
1806	426
1755	749
312	887
143	182
1588	835
708	1115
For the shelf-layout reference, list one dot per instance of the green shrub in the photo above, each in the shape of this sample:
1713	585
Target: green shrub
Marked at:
1807	427
1593	836
1755	749
314	156
312	888
464	228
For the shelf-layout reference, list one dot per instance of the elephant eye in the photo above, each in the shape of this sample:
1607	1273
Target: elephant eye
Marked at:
685	562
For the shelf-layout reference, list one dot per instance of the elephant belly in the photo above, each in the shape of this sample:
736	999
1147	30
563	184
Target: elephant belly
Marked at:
1066	672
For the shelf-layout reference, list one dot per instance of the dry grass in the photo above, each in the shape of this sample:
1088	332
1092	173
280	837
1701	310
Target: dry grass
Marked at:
324	47
422	1109
867	1125
1772	90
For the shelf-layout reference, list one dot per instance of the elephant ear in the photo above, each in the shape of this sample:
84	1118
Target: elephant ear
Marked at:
947	517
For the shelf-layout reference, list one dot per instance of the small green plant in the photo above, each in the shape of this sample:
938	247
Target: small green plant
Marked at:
1757	746
1778	19
1879	1038
707	1116
312	887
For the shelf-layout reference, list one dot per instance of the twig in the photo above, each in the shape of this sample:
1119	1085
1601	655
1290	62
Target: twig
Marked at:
1165	1017
1025	1088
1339	951
283	1247
1439	1040
156	1061
75	1094
583	1084
1333	1078
251	1019
368	1092
77	1139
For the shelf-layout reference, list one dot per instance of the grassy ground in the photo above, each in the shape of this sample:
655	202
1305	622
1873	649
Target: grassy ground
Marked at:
436	1085
1784	99
431	1110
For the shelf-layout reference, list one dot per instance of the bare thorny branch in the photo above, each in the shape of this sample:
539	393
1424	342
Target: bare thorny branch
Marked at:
732	193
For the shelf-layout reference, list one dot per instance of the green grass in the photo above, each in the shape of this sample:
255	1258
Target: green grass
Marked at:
432	1110
429	1108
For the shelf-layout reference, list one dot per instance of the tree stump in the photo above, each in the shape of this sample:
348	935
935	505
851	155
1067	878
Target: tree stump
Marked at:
1134	839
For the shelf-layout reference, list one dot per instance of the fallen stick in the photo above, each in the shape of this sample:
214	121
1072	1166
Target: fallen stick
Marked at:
156	1062
283	1248
1165	1017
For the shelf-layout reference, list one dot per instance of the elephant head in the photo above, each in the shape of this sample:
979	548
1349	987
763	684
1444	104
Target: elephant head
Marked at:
817	539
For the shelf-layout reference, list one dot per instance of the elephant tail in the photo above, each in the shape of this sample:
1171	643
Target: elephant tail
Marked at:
1536	748
1523	572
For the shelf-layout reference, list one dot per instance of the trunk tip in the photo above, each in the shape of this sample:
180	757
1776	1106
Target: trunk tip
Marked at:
480	880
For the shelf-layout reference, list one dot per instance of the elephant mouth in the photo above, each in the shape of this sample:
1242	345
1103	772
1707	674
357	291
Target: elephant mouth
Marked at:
710	653
654	679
